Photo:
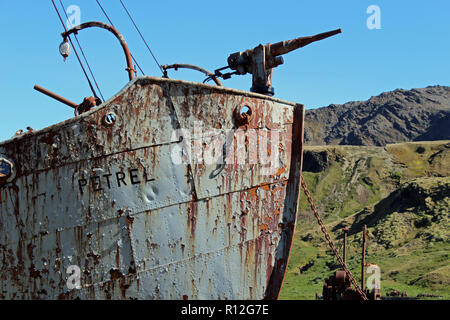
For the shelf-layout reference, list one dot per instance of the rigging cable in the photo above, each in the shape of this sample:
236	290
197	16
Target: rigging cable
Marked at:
75	50
84	56
142	37
110	22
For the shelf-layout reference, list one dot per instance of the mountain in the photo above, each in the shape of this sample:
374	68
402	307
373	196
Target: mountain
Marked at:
401	192
392	117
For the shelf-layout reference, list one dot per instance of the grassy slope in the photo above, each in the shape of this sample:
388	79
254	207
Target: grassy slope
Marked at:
401	192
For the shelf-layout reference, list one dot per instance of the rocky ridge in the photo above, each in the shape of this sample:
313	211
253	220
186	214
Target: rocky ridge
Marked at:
391	117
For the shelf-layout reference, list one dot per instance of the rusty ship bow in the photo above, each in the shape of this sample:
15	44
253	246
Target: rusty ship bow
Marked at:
133	194
168	190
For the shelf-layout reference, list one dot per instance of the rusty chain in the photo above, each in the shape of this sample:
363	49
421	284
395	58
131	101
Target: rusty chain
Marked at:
329	240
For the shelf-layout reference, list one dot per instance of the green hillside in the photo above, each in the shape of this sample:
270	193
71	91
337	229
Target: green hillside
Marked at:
401	192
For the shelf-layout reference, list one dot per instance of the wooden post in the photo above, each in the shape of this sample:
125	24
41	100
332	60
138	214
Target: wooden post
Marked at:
363	261
345	245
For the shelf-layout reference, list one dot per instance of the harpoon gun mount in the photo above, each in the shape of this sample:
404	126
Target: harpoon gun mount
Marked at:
261	60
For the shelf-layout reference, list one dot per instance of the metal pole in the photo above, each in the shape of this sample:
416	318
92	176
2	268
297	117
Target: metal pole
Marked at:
116	33
193	67
345	245
55	96
363	261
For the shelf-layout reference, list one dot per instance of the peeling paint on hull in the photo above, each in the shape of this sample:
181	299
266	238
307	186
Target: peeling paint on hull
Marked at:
108	197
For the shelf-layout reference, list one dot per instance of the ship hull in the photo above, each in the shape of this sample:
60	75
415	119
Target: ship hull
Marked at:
163	192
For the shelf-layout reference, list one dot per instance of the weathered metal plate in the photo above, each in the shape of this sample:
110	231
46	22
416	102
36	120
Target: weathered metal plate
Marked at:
93	191
224	156
112	200
249	162
144	118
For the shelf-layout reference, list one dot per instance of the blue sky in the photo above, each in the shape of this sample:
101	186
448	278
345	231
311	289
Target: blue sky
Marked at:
411	50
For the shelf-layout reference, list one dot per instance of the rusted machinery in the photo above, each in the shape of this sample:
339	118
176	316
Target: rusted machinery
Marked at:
338	286
261	60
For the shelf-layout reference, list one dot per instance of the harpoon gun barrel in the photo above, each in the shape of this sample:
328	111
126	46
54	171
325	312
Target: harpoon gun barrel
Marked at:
284	47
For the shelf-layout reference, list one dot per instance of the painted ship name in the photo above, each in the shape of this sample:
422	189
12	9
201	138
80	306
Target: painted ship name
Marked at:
100	182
